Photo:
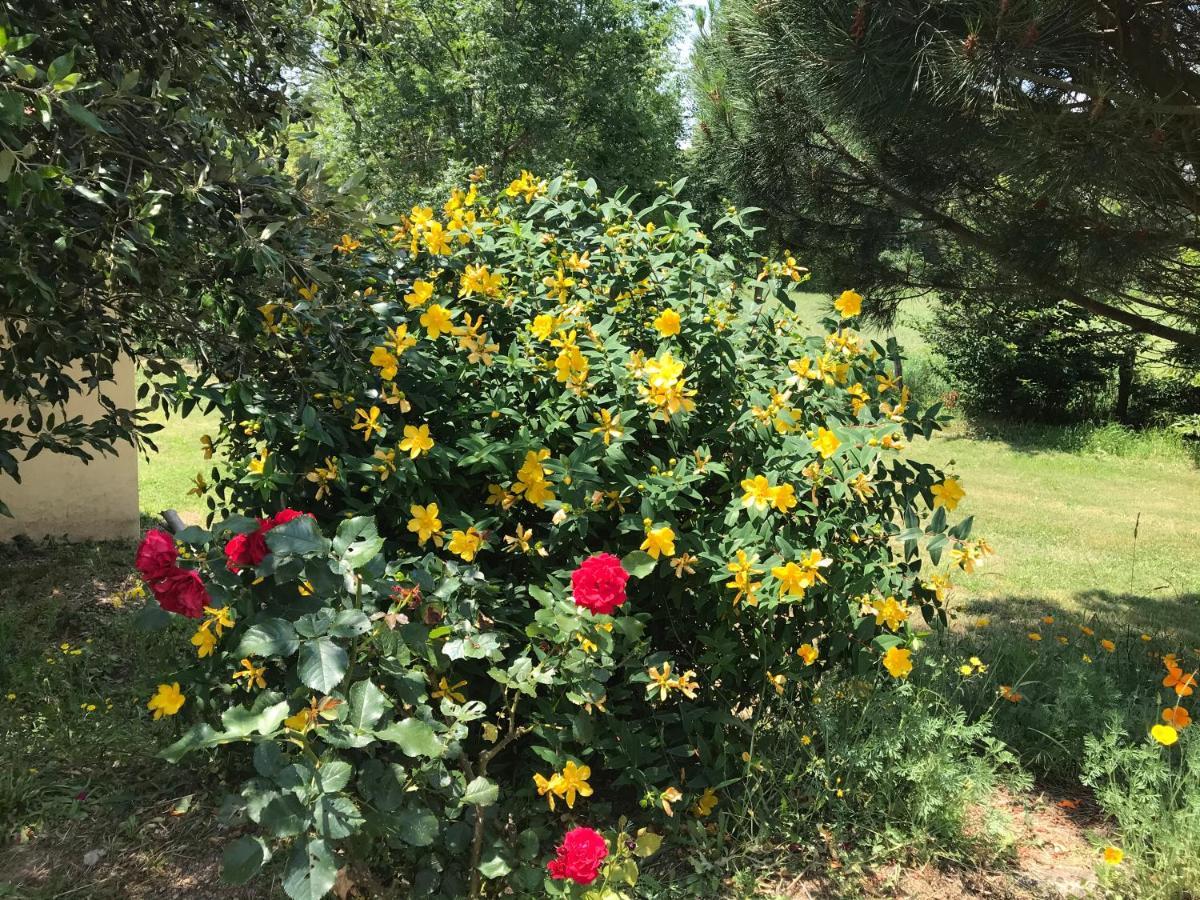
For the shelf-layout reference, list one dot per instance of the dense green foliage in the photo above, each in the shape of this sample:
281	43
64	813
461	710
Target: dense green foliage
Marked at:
1033	151
420	87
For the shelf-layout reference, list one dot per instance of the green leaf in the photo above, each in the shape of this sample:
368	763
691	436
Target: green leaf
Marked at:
284	816
481	792
270	637
298	538
243	859
639	564
240	722
151	617
86	118
494	867
202	735
350	623
367	703
357	542
60	67
414	737
647	843
311	870
417	826
334	775
322	664
336	816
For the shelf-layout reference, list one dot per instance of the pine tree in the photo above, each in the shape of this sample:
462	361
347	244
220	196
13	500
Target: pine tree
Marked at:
1032	150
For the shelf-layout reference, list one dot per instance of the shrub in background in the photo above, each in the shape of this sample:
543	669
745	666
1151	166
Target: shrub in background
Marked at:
494	417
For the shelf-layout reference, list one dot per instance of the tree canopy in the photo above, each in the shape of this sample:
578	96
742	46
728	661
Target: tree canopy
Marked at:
1031	149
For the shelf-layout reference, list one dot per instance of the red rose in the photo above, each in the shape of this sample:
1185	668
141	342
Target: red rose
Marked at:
599	583
156	556
245	551
579	856
183	592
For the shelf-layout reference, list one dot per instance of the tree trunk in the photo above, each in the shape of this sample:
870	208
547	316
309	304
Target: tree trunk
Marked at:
1125	384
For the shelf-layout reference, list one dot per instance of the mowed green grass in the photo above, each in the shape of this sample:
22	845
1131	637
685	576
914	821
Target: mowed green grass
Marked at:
165	477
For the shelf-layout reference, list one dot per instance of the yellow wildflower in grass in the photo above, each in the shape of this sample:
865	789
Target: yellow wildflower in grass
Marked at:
449	691
1177	717
1034	636
253	674
478	280
573	780
667	323
466	544
420	294
809	653
425	523
849	304
947	494
671	794
1164	734
706	803
548	787
965	670
659	541
416	441
1047	620
1010	694
898	662
437	320
743	584
826	443
1113	855
167	700
367	421
384	360
1108	645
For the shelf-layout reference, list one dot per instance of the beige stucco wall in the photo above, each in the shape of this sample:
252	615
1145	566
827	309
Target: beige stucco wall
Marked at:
62	496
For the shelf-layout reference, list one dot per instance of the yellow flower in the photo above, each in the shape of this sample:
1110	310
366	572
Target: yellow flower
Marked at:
667	323
891	613
1113	855
849	304
420	294
323	476
1108	645
965	670
204	641
743	583
425	522
416	441
671	794
826	443
367	421
206	446
347	245
449	691
252	673
783	498
573	779
437	320
436	240
548	787
531	478
526	186
477	279
660	681
298	722
383	359
795	579
543	326
1047	620
777	681
686	684
201	486
659	541
759	492
167	700
1164	734
258	464
559	285
808	653
466	543
610	426
898	662
706	804
947	494
1034	636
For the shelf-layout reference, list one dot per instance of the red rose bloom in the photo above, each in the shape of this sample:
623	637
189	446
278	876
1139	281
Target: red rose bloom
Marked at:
156	556
579	856
599	583
245	551
182	592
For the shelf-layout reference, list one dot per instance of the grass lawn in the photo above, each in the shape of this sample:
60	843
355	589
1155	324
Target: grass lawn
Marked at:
165	478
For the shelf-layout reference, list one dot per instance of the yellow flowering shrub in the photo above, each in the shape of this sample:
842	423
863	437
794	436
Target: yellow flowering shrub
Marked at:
471	403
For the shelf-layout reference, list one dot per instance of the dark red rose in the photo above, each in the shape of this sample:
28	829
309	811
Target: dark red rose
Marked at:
579	856
599	583
245	551
182	592
156	556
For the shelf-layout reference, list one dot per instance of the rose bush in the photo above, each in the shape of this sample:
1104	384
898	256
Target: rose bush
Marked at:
495	418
